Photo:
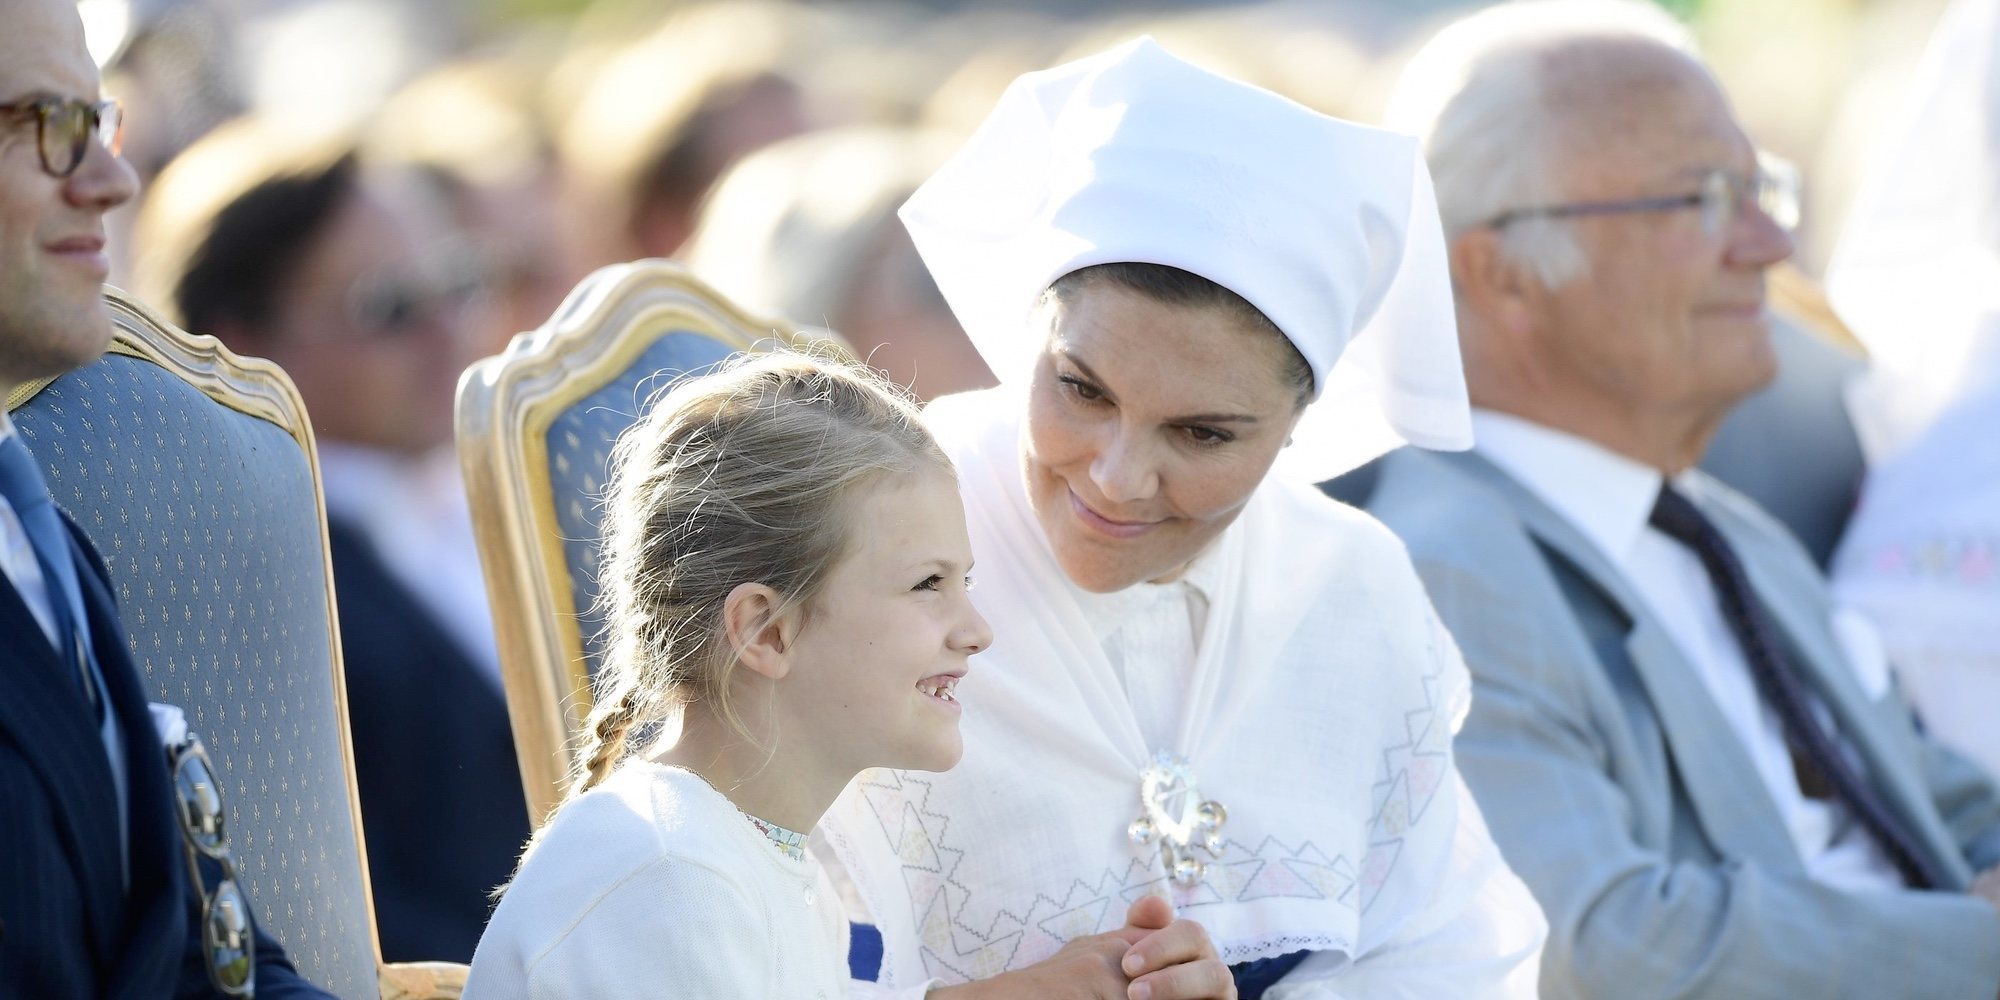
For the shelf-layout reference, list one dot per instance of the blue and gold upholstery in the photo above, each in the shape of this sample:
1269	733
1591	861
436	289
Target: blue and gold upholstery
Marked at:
536	426
193	472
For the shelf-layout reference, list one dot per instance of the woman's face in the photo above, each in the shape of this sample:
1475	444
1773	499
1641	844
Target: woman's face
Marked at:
1148	427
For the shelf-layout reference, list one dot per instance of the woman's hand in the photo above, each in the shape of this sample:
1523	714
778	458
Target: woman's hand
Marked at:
1153	957
1171	959
1087	968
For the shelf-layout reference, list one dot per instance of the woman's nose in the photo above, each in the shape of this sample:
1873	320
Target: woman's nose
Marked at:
1123	471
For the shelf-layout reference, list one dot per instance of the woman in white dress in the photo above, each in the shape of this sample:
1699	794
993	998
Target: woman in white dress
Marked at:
1211	683
1917	274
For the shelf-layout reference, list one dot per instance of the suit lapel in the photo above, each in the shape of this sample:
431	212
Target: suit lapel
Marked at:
155	912
1731	804
50	722
1824	662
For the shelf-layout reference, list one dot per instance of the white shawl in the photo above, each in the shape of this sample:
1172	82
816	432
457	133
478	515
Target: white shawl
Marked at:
1323	701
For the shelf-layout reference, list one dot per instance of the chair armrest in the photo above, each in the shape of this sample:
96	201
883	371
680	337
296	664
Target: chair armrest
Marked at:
423	980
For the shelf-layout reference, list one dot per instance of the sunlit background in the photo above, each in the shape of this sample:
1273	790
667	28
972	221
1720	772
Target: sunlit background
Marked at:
501	84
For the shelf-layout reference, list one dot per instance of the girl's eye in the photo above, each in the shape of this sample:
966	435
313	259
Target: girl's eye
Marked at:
1080	389
1208	437
969	584
930	583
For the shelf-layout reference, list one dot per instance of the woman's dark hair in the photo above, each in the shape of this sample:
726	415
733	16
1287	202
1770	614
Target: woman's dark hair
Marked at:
235	273
1174	287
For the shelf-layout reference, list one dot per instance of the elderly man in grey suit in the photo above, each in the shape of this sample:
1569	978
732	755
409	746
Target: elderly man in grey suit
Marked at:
1702	771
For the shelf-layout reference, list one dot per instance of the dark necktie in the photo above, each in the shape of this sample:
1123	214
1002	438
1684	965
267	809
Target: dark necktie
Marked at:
22	486
1816	752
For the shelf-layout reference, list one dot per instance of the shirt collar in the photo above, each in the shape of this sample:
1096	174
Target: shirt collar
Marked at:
1109	612
6	425
1601	493
360	482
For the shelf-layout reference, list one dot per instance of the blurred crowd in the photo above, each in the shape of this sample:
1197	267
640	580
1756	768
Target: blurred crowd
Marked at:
376	193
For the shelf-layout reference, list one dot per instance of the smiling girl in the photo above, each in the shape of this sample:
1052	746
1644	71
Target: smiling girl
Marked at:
786	574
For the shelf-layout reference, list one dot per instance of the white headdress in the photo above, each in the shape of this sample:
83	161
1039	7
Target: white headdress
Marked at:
1329	228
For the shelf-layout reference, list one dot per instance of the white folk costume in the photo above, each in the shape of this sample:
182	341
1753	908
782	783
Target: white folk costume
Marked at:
1917	275
653	884
1266	740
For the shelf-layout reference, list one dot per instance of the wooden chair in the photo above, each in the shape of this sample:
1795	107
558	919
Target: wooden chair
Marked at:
193	472
536	426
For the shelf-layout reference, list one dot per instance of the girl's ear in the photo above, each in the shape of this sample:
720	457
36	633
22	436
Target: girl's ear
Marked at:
760	635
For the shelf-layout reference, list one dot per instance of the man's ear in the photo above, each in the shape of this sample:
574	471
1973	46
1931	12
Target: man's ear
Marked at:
760	632
1501	292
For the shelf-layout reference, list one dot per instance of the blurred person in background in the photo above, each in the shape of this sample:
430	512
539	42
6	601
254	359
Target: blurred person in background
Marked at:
341	271
1703	772
96	899
806	231
658	120
1917	272
471	126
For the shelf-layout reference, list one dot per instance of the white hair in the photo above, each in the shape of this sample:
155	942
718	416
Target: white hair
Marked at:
1476	95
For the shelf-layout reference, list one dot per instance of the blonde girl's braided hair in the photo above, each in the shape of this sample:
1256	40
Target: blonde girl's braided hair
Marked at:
746	474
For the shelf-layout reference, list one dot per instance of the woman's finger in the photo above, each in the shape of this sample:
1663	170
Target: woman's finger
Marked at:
1178	943
1150	913
1207	979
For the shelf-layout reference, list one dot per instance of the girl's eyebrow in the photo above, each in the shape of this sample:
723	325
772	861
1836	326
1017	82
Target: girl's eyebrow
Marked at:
945	567
1191	418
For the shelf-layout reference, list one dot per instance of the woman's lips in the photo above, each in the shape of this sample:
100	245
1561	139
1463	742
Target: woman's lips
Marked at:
1106	526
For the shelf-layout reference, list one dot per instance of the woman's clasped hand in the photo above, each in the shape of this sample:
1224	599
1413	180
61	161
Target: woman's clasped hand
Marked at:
1153	957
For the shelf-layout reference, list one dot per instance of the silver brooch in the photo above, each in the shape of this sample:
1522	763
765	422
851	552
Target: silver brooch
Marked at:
1172	811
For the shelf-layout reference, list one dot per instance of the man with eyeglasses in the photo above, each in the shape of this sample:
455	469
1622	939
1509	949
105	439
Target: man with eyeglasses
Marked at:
1702	771
96	898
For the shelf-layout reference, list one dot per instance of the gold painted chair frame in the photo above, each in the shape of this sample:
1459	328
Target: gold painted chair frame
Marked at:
506	406
261	389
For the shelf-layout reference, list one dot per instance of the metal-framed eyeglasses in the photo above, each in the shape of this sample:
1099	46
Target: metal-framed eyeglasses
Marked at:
1721	196
229	942
65	127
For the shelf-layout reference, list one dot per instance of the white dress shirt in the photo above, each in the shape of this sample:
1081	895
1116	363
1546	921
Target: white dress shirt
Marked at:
414	514
17	560
1609	499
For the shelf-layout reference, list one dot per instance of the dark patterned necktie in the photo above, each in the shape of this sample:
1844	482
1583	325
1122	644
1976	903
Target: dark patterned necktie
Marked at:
22	486
1816	752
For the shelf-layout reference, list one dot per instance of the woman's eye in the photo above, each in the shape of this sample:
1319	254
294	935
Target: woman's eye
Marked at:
930	583
1208	435
1081	389
969	584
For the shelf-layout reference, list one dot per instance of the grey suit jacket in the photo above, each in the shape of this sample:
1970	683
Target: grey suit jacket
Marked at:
1621	795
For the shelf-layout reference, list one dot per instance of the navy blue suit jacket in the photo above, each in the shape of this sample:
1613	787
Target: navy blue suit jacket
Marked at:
69	926
441	794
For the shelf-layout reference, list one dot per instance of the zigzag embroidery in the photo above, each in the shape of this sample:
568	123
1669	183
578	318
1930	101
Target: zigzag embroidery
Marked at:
954	948
1413	770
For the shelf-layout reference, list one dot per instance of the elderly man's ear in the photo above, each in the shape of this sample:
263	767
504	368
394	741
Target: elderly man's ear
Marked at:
1505	295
